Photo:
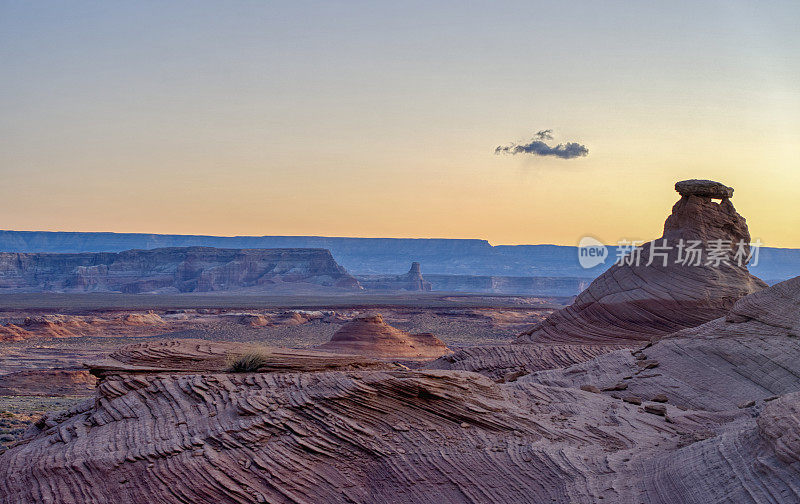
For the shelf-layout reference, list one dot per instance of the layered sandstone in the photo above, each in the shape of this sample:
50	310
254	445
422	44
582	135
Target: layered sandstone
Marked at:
510	362
191	355
371	336
176	270
169	425
667	289
752	353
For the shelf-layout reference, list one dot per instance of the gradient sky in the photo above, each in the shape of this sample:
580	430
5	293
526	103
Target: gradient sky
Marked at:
381	118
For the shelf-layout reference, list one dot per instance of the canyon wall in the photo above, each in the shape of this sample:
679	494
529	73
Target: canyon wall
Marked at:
176	270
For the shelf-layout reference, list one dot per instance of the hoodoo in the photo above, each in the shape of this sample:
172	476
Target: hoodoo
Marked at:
411	281
692	274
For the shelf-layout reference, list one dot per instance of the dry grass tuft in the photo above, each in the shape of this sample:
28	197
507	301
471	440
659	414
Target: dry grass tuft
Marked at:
248	362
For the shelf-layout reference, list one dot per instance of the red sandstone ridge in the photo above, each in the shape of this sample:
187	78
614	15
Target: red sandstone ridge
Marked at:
630	302
372	337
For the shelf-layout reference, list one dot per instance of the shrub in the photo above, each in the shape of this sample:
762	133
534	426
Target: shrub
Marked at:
249	362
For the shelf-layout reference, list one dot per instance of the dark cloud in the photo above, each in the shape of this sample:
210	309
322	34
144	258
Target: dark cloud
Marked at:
538	147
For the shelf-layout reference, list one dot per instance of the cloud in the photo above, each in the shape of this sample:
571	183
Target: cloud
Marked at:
538	147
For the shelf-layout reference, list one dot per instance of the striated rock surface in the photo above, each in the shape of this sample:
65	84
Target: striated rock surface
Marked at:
411	281
779	425
749	355
157	432
372	337
174	270
668	290
192	355
747	361
509	362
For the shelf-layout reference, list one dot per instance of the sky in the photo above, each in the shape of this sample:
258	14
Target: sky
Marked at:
382	119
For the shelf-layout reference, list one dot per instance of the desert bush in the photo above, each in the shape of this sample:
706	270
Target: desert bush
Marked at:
248	362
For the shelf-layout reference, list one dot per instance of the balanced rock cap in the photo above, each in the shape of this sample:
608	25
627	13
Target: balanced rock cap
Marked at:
704	188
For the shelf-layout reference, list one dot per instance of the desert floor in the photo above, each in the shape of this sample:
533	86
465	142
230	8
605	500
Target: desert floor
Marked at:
45	371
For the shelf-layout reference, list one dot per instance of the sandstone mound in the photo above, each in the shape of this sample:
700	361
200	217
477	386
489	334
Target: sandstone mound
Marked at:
47	382
632	302
142	319
255	320
50	326
371	336
75	326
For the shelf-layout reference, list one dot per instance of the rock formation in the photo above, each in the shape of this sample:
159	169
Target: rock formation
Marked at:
411	281
47	382
669	289
371	336
175	270
169	425
76	326
707	414
414	278
752	353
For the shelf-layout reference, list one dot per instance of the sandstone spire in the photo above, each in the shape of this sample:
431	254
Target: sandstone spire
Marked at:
667	293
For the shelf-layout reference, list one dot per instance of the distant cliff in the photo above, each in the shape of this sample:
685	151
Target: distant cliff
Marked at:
379	256
174	270
363	256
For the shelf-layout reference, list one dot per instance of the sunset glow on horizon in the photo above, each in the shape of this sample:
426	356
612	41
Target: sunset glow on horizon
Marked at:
382	120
